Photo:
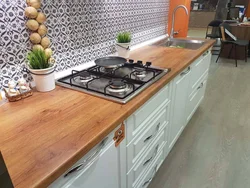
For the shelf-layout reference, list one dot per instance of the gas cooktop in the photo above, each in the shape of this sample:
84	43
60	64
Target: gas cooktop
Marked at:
119	84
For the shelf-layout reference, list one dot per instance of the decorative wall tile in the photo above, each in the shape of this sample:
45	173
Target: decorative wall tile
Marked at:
80	30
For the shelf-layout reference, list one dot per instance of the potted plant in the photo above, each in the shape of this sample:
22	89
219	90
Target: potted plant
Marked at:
123	44
42	68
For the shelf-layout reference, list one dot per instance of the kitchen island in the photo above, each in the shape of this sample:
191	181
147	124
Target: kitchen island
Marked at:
44	135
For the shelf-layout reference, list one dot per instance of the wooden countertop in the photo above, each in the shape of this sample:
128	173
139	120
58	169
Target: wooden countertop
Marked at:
44	135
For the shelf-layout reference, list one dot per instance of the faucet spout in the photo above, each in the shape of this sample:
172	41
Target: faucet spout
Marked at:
173	18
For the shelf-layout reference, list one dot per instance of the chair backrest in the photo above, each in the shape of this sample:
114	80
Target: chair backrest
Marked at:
215	23
224	26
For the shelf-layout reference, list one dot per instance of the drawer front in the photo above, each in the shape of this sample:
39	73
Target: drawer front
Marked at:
84	163
136	148
146	160
195	98
137	122
148	177
199	68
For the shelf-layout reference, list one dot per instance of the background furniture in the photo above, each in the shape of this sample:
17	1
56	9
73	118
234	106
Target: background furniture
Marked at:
234	12
226	40
213	32
214	27
242	33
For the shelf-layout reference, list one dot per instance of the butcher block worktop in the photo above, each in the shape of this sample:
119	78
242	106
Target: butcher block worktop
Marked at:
44	135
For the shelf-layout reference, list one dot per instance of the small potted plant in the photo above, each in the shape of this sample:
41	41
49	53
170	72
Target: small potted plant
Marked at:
42	67
123	44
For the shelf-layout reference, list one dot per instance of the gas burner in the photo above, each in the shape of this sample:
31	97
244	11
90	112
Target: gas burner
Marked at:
109	70
84	77
120	83
118	86
140	73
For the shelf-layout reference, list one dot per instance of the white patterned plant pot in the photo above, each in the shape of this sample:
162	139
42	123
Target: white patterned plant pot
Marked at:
44	78
123	49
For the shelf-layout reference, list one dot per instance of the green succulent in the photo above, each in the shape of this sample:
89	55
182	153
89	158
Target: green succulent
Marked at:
38	60
124	37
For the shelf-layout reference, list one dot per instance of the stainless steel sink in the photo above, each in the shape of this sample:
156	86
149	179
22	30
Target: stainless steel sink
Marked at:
182	43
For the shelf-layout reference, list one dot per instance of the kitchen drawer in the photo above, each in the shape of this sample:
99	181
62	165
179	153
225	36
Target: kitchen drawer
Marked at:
199	69
146	160
148	177
136	148
85	163
195	98
139	120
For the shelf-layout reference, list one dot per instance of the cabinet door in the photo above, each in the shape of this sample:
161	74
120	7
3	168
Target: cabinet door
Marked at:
195	99
180	88
103	172
199	69
101	167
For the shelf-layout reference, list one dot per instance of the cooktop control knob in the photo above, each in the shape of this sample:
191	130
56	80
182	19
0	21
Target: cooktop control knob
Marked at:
139	62
131	61
148	64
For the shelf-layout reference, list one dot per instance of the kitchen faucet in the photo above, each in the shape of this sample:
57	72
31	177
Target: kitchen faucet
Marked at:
173	19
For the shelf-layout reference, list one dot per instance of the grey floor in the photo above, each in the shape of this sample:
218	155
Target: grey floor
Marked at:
214	149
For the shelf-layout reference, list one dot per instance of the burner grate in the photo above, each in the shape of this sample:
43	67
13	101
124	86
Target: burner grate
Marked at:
119	84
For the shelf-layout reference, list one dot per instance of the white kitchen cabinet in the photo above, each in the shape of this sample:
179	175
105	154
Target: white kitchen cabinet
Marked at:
139	120
195	99
138	146
150	173
178	110
100	168
197	84
147	136
199	68
135	174
150	133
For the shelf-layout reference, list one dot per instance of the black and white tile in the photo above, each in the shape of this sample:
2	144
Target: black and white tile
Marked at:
80	30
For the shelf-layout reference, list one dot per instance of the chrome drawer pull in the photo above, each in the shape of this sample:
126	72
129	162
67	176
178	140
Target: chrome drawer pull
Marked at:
201	86
150	179
87	161
147	161
186	72
152	157
148	138
77	168
205	53
151	136
147	182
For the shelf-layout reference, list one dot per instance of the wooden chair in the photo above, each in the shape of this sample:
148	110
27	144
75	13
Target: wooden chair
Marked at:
226	40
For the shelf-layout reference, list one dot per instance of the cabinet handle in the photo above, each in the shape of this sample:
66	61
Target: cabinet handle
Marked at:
205	53
150	179
201	86
186	72
152	157
87	161
151	136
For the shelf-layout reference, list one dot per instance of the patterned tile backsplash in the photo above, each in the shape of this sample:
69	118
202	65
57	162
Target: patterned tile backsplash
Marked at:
80	30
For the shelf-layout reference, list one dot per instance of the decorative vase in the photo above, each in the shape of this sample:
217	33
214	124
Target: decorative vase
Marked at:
123	49
44	78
